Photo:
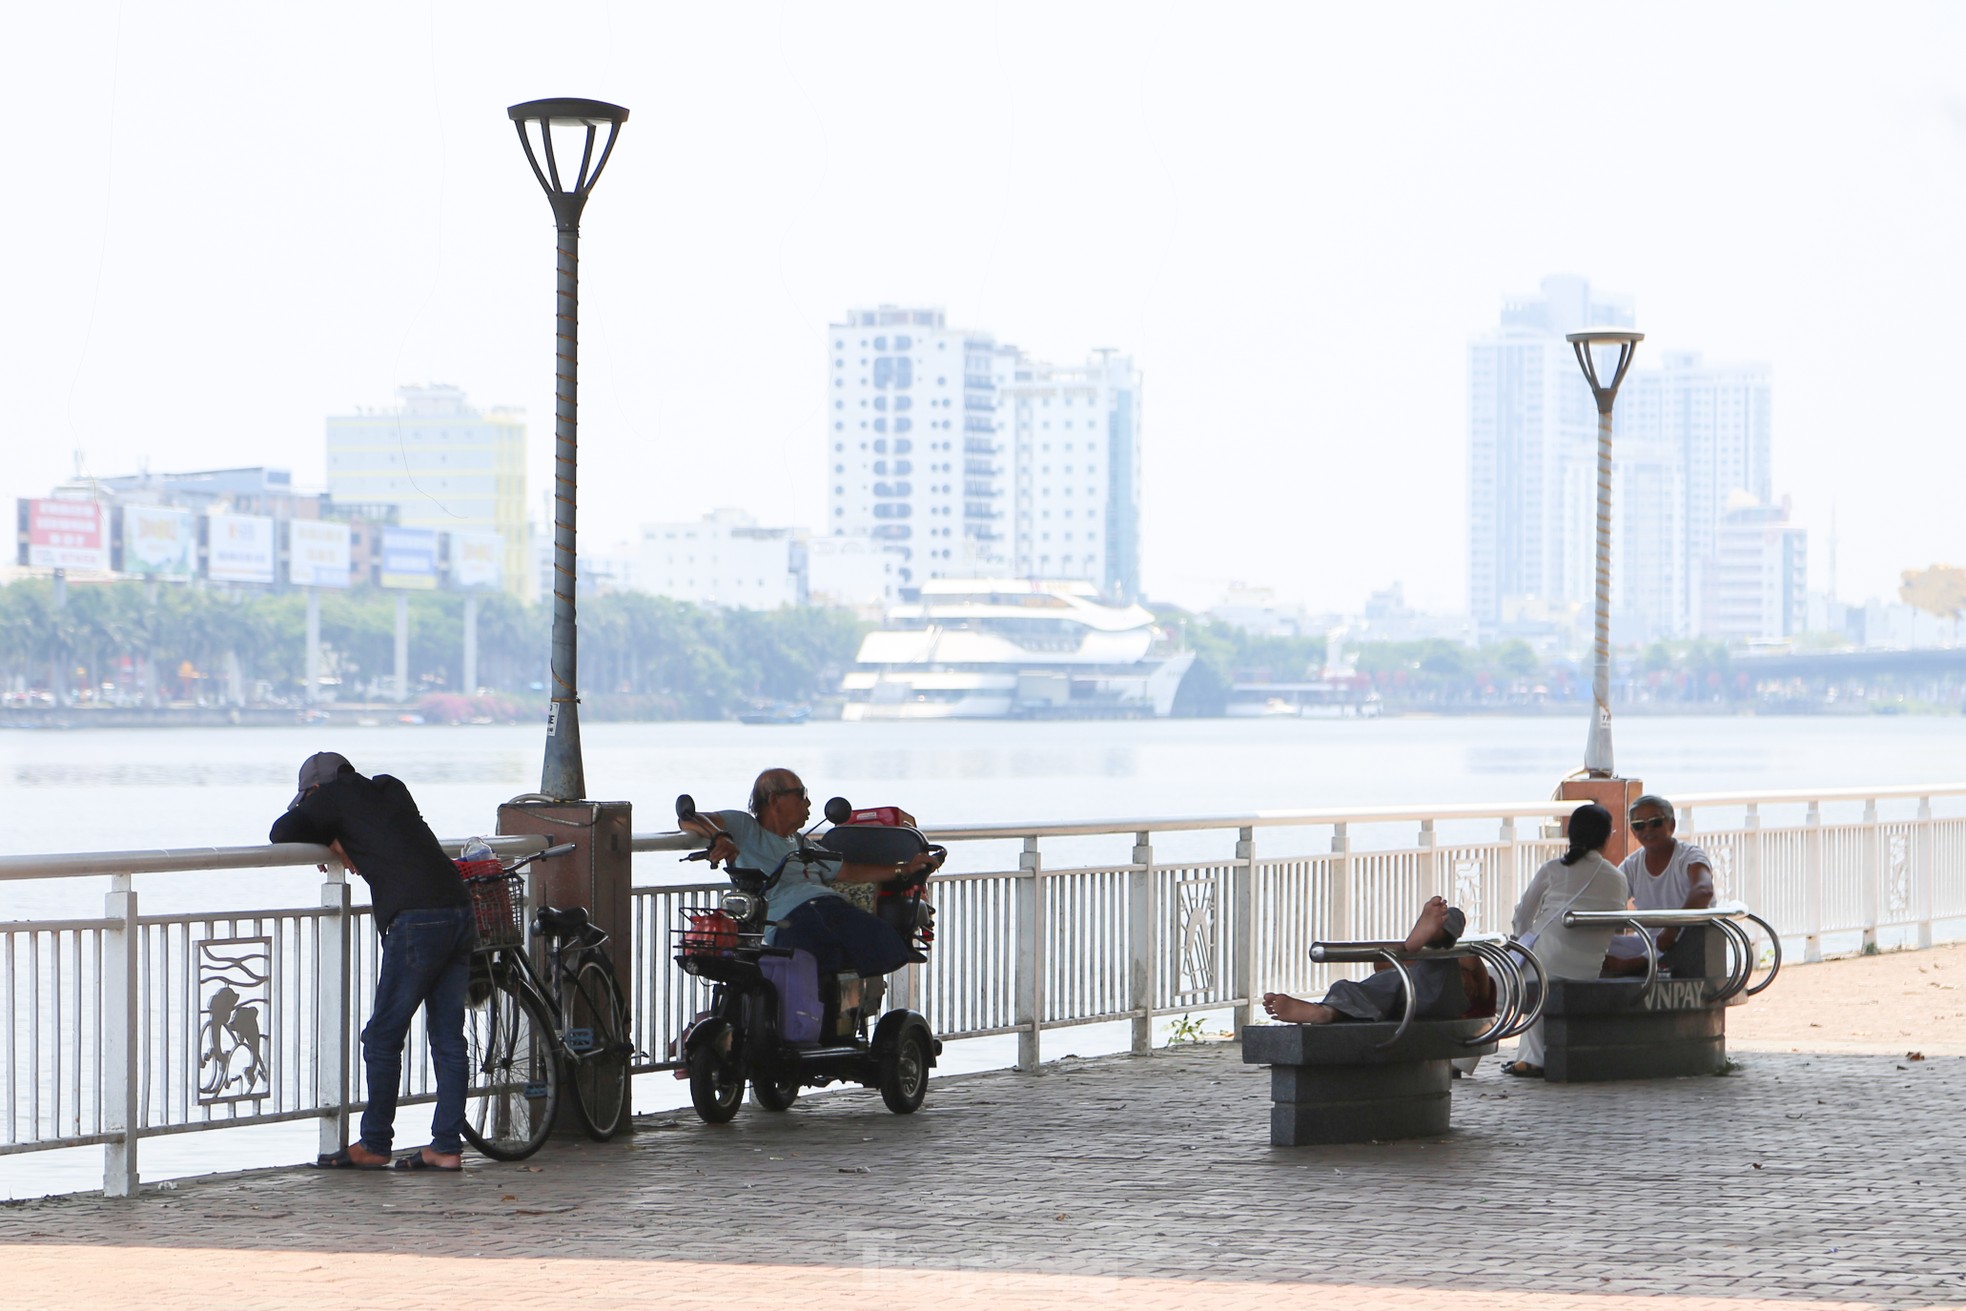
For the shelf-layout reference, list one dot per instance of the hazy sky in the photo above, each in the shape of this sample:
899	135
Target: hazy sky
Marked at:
223	222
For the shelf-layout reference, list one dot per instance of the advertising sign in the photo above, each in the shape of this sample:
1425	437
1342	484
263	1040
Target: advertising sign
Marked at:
317	553
477	561
238	548
409	558
66	534
159	543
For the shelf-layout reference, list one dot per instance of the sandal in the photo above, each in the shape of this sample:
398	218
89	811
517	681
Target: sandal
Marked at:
418	1161
341	1160
1523	1070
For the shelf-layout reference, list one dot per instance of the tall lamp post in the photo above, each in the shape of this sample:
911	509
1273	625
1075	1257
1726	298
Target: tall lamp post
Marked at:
1597	751
578	123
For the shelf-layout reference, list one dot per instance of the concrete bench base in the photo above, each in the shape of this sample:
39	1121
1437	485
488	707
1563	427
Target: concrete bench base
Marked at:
1598	1029
1330	1083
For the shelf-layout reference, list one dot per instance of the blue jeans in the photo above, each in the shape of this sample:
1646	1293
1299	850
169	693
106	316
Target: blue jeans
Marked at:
426	961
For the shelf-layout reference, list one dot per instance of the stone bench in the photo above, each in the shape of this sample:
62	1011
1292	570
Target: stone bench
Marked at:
1652	1028
1339	1083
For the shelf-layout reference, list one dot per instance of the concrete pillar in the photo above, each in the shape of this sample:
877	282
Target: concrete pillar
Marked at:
402	646
1615	795
313	693
597	874
470	679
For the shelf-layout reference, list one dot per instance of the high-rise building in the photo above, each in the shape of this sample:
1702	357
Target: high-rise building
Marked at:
1072	435
1753	583
1691	439
1714	421
443	464
975	460
1532	451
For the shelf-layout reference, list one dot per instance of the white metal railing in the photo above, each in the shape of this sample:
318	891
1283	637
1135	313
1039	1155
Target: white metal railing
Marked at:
118	1026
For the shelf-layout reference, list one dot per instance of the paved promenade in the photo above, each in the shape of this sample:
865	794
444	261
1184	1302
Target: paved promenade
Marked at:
1817	1180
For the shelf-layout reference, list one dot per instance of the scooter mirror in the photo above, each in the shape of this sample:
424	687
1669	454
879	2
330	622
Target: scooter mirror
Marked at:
685	807
838	811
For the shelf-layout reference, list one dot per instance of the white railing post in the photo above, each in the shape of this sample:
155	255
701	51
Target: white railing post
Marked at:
1924	872
1812	882
122	1069
1342	872
1143	913
1243	928
1030	956
1752	857
1870	871
334	932
1813	885
1503	903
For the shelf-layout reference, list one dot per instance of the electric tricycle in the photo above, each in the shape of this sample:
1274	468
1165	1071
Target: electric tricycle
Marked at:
775	1020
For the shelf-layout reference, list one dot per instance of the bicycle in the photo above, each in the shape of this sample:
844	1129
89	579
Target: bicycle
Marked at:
523	1029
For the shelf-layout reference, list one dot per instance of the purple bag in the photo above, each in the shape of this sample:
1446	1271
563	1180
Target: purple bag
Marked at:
796	977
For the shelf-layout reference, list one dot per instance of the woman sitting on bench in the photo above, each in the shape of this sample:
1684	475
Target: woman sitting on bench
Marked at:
1580	879
1449	989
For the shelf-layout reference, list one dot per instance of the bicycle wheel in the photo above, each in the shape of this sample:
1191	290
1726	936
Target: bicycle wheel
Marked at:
597	1048
513	1073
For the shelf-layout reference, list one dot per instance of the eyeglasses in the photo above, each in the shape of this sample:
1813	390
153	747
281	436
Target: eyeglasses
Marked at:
1640	825
786	792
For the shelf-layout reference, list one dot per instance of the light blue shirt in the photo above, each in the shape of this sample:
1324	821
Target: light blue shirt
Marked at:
760	849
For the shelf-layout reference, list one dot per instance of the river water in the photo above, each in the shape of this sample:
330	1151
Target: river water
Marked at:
140	789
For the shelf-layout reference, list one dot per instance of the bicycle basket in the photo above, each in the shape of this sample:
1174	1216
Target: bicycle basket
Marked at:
498	902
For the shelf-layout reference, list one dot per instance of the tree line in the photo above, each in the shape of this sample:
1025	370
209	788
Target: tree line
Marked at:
640	656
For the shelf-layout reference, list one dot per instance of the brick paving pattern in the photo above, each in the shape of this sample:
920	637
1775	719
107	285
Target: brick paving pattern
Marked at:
1814	1180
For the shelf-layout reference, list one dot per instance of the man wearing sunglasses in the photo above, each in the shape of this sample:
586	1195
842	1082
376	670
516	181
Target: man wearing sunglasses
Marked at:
807	912
1664	874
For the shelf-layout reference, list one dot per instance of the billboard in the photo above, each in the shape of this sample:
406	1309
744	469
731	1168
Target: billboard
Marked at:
409	558
317	553
159	543
65	534
477	561
238	548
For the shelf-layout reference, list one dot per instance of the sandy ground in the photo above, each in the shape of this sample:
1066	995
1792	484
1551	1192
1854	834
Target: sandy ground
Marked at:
1899	1002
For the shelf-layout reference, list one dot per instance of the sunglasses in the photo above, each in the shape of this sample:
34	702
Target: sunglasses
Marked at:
1640	825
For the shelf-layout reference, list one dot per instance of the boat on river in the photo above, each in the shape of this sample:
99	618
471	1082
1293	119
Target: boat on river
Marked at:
994	648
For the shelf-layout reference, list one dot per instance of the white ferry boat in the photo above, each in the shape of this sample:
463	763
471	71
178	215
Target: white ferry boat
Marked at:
994	648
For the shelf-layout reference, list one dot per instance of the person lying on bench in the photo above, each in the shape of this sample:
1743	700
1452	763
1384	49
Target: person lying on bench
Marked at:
1448	989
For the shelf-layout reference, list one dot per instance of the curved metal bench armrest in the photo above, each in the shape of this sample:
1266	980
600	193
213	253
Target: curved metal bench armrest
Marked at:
1508	983
1775	943
1525	1019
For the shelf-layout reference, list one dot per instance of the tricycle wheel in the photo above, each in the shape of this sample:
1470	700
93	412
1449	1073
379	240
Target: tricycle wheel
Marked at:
716	1088
776	1094
904	1073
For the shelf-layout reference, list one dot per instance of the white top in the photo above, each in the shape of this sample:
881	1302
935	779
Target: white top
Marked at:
1668	889
1593	883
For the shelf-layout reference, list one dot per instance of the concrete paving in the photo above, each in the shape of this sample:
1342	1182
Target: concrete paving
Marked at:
1814	1180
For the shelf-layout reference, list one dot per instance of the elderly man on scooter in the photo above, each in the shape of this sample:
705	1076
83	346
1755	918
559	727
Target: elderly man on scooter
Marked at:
807	913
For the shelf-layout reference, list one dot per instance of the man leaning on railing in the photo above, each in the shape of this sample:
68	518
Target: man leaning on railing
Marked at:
424	916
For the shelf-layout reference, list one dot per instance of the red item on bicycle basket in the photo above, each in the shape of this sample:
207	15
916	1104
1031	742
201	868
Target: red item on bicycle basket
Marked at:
709	931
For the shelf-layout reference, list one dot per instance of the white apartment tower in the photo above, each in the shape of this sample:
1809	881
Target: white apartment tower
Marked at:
1532	451
1715	421
974	460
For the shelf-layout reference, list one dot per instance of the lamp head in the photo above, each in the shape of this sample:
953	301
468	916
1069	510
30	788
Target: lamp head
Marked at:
1623	340
577	124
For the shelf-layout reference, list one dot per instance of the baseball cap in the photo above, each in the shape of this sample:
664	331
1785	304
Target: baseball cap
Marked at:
319	768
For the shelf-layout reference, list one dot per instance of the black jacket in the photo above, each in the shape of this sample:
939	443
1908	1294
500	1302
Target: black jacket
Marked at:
378	825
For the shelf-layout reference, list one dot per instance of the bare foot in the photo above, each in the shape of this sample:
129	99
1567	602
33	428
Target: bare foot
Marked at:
1433	918
1290	1010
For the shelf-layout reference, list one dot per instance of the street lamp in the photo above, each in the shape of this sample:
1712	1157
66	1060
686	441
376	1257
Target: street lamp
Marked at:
1597	751
578	124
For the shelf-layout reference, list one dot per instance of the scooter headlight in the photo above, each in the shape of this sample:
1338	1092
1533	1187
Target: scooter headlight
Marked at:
741	906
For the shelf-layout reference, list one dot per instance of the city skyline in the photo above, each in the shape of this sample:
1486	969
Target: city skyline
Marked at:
1292	218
